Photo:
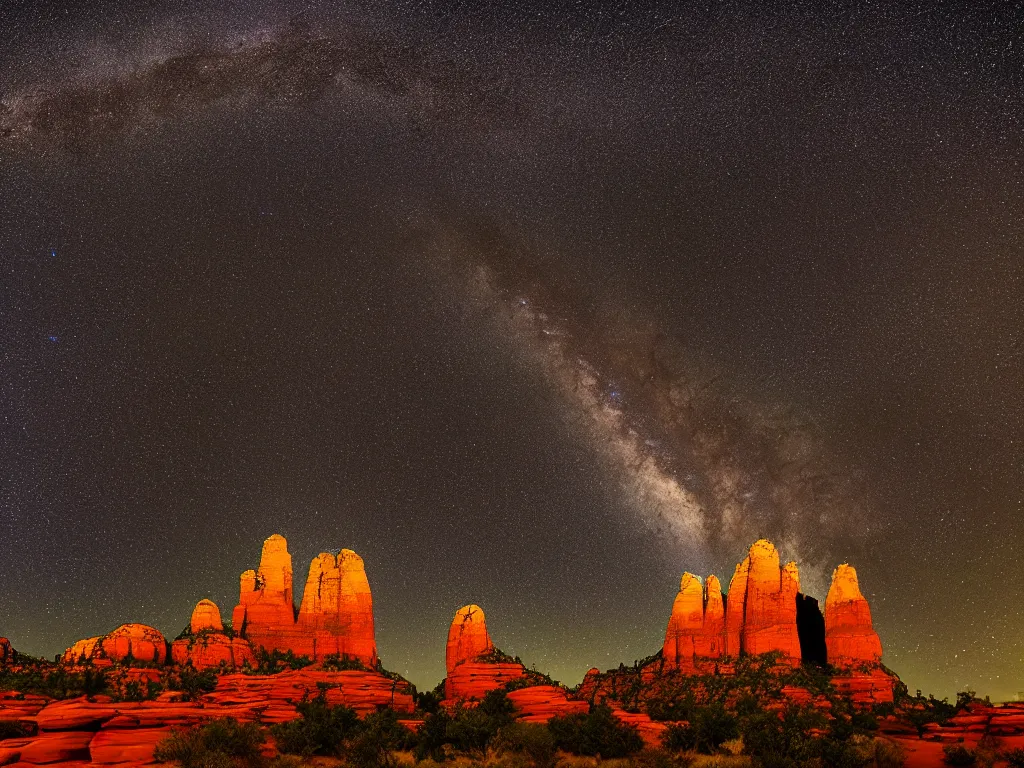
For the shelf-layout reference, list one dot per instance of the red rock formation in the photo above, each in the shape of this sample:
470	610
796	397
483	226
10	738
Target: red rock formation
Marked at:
134	641
81	651
710	644
770	604
127	643
210	647
6	651
467	637
849	634
685	623
469	678
336	615
206	616
734	609
696	628
266	610
540	703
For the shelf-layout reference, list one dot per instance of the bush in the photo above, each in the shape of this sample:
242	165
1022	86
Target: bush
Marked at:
193	683
533	740
597	733
321	729
12	729
958	754
1015	757
224	742
707	729
780	740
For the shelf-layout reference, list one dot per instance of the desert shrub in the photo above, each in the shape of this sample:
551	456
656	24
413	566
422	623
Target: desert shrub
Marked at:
780	740
385	727
271	662
224	742
1015	757
11	729
193	683
533	740
705	732
659	758
428	701
54	682
335	662
887	754
598	732
320	730
958	754
465	729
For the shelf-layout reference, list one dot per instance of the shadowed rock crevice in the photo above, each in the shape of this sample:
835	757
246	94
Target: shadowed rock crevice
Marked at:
810	627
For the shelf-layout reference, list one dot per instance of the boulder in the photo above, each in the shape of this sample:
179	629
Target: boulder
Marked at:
849	635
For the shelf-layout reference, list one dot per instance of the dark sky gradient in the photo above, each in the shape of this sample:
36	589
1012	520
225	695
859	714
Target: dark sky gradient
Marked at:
532	306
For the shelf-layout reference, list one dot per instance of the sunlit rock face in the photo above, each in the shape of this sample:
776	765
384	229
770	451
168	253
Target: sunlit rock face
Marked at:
696	628
266	611
206	616
336	615
209	646
80	651
129	642
6	651
467	637
469	677
849	634
770	604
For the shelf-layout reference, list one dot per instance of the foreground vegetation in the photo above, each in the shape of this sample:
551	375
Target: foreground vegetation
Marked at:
489	736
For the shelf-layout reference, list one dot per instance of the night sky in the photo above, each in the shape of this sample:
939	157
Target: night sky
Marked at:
533	306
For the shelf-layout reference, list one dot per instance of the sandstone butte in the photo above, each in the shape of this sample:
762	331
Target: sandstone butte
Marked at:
335	616
472	673
758	616
469	677
849	635
128	642
208	646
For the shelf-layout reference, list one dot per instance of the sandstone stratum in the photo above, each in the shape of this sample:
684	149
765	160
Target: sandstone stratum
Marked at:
134	685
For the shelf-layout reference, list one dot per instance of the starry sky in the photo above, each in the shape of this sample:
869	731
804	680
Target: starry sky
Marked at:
533	305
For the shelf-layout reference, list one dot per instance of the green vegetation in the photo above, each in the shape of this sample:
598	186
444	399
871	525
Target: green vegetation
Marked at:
223	743
335	662
53	681
192	683
272	662
598	732
1015	757
321	729
469	730
958	754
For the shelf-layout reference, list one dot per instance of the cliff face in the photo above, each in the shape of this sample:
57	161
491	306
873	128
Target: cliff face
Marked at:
468	676
759	615
336	614
266	612
849	635
210	647
128	642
